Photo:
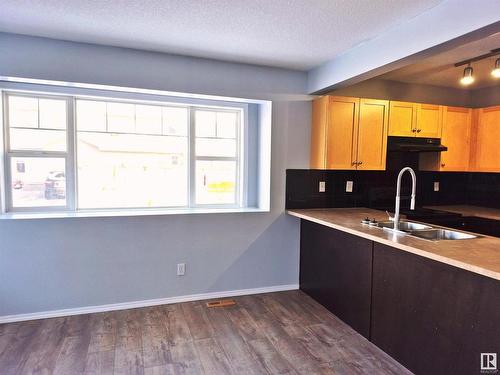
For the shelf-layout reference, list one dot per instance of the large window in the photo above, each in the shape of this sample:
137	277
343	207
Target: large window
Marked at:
78	153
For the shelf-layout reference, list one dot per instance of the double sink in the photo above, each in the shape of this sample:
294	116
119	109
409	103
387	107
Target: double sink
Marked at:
423	231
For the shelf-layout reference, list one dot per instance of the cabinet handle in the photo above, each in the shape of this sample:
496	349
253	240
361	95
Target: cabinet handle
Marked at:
413	130
354	163
443	164
419	130
360	162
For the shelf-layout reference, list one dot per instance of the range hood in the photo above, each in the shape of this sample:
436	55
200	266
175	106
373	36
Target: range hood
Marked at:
413	144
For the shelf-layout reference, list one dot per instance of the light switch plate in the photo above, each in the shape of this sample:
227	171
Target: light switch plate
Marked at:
348	186
181	269
436	185
322	186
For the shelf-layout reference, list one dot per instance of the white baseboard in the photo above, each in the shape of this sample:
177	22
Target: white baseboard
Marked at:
143	303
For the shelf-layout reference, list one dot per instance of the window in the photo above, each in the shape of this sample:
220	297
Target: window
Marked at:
79	153
37	151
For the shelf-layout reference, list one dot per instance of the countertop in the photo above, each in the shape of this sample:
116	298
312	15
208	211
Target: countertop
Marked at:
466	210
480	255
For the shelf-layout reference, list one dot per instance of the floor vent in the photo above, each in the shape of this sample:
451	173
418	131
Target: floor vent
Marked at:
221	303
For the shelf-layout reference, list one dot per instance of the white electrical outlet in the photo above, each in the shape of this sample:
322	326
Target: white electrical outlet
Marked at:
322	186
181	269
348	186
436	185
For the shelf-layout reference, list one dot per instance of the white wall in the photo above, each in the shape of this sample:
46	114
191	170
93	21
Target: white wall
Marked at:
48	264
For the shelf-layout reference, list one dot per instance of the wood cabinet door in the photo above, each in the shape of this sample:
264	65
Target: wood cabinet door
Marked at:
341	137
402	119
456	133
318	133
429	121
336	270
372	134
487	145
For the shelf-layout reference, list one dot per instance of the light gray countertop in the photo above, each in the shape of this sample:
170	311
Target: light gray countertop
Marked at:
480	255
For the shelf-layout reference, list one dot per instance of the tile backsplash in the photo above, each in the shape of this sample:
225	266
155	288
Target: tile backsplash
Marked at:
378	188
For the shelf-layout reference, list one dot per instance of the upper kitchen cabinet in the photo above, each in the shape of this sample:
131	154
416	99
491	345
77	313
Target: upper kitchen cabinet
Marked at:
485	155
372	134
429	121
402	119
456	135
341	133
349	133
415	120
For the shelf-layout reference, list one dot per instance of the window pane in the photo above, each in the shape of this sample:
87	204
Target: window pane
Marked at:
37	140
215	182
175	121
91	115
121	117
38	182
205	123
226	124
215	147
148	119
52	113
23	112
128	170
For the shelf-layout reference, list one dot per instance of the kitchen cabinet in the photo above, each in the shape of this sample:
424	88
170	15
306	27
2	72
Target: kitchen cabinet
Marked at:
335	270
415	120
372	134
341	133
349	133
456	135
402	119
432	317
485	155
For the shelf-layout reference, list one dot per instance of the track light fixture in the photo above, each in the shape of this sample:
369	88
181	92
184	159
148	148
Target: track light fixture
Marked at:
468	77
496	70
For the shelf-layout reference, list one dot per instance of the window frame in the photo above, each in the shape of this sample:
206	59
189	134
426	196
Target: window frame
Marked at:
71	154
240	147
8	154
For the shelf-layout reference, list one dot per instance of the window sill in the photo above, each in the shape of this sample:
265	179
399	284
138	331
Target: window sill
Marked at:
125	213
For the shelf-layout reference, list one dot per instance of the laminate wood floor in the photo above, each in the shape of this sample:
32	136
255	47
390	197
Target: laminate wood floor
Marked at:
275	333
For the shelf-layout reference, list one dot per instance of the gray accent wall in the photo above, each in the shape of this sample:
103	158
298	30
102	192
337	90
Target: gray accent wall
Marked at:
50	264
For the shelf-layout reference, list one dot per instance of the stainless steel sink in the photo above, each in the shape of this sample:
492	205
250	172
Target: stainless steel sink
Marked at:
438	234
404	226
423	231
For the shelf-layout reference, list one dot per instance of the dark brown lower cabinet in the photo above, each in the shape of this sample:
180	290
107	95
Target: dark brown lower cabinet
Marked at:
431	317
336	270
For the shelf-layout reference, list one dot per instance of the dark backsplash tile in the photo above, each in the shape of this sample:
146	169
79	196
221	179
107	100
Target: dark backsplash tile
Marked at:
378	188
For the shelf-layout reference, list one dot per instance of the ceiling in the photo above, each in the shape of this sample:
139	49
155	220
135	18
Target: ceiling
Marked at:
283	33
439	70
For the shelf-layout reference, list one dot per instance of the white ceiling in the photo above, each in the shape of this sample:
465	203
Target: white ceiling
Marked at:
440	70
297	34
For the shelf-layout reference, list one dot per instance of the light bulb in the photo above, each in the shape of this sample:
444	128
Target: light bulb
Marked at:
467	79
496	71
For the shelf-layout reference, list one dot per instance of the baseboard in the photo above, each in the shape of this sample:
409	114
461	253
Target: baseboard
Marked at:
143	303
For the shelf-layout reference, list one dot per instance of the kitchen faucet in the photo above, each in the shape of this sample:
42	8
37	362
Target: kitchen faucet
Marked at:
398	191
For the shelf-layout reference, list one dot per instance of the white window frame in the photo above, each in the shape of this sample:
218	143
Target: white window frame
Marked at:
67	155
70	155
239	158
